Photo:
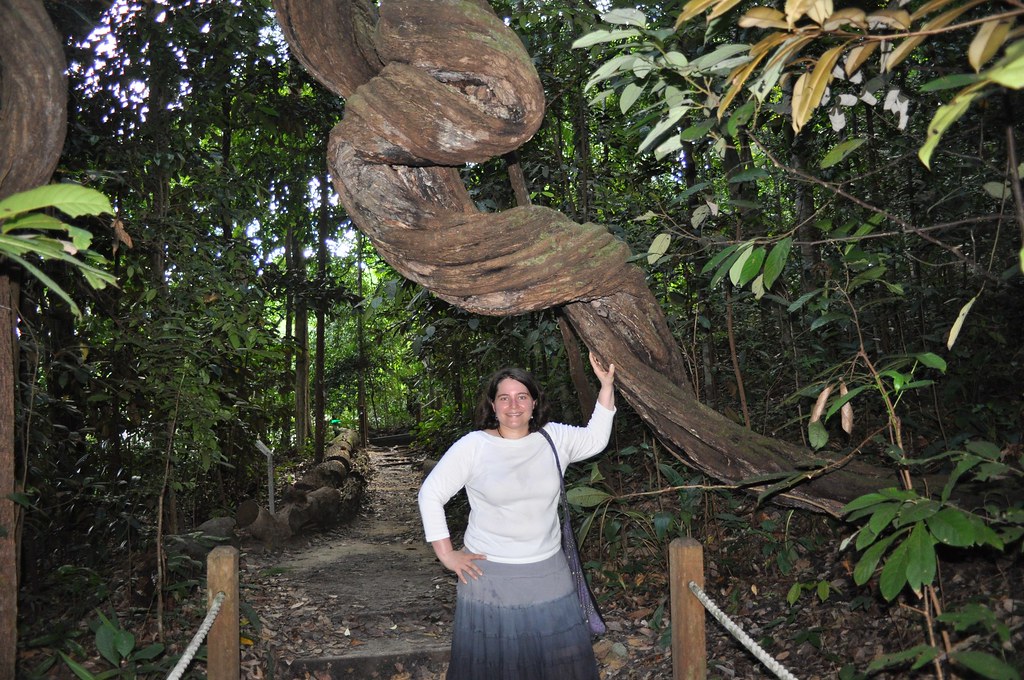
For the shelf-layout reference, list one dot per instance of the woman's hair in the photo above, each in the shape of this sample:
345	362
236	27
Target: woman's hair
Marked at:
484	417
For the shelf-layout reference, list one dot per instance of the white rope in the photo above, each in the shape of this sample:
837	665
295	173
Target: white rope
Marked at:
737	632
198	638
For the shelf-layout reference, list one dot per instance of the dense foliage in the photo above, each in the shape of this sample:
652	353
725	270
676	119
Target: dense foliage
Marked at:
824	284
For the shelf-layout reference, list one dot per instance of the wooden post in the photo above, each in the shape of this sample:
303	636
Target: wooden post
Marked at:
689	647
223	654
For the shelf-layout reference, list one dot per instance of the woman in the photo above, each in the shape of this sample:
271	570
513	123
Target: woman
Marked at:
517	616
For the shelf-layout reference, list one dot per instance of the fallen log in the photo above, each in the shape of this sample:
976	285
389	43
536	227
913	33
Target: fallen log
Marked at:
327	494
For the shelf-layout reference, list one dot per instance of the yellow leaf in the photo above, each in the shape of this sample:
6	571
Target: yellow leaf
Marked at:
763	17
846	410
904	49
991	36
929	7
819	405
795	9
738	76
789	50
814	87
846	417
897	19
722	8
820	11
771	40
845	17
692	9
959	323
857	56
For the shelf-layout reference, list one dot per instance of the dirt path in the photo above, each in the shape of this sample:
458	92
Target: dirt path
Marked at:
364	600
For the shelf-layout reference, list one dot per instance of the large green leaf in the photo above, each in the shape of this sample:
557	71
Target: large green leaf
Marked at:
894	573
921	563
951	527
73	200
986	665
586	496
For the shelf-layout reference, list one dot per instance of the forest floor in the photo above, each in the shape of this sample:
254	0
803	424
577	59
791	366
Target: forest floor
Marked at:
369	600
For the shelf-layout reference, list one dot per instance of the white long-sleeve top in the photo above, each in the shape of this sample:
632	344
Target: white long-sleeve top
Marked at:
513	488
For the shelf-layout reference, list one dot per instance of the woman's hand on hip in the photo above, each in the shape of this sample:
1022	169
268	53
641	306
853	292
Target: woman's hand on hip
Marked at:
463	564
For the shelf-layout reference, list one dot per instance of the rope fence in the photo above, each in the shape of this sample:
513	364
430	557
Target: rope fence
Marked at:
689	646
197	639
738	633
223	656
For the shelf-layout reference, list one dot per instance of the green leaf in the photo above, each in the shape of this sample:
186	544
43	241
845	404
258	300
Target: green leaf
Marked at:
73	200
917	511
945	116
150	652
663	126
998	190
826	319
625	16
921	558
986	665
794	593
823	590
1009	71
615	65
77	668
840	151
736	270
950	526
883	516
124	642
894	573
697	130
105	642
817	434
629	95
932	360
586	496
920	655
843	399
776	261
658	247
983	448
802	300
748	175
865	568
603	36
865	501
713	262
752	267
48	282
950	82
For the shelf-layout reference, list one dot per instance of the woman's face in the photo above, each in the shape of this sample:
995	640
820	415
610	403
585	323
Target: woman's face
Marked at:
513	405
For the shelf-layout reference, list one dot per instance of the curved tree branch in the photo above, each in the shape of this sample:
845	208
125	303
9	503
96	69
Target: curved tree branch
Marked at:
454	85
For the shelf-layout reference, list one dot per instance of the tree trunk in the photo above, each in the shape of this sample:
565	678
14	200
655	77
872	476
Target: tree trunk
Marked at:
393	159
33	117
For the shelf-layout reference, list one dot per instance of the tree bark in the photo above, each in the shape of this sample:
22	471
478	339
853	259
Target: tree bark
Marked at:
447	83
33	118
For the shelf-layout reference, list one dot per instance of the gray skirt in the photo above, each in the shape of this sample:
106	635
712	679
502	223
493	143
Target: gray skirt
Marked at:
521	622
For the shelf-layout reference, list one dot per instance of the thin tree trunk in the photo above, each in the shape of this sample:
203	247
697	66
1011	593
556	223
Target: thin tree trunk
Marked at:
9	511
301	353
319	398
364	428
